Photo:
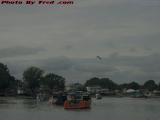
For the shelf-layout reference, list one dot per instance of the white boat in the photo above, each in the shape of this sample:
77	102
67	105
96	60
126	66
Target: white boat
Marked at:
98	96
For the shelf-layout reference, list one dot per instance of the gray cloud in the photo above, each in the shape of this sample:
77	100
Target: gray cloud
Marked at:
117	67
94	68
125	33
56	64
18	51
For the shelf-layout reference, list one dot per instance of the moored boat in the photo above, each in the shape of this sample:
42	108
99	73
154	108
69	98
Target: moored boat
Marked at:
77	101
98	96
58	99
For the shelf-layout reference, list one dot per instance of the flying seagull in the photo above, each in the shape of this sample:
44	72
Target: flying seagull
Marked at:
99	58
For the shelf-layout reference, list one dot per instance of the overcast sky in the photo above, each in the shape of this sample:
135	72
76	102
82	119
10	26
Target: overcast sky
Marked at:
66	40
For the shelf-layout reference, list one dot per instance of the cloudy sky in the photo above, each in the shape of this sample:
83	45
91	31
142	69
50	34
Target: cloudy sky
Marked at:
66	39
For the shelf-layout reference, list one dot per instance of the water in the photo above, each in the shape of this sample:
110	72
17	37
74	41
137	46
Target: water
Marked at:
105	109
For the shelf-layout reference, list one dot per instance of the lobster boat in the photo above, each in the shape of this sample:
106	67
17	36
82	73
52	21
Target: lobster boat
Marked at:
77	101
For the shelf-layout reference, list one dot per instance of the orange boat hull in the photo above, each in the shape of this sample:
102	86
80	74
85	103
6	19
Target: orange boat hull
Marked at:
81	105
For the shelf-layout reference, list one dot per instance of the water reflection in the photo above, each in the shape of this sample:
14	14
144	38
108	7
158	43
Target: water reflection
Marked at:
7	100
107	108
29	103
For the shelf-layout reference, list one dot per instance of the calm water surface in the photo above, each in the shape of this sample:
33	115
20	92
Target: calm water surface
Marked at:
105	109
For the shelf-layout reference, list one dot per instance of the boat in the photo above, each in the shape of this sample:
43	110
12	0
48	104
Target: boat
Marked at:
40	97
77	101
57	99
98	96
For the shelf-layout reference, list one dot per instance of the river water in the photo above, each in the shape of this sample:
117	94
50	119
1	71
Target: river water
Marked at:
104	109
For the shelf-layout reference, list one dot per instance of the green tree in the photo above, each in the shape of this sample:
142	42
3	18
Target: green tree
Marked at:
78	87
159	86
6	80
123	86
53	81
150	85
32	77
92	82
133	85
103	82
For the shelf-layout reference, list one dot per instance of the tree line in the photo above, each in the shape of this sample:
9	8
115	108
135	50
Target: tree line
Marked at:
149	85
36	80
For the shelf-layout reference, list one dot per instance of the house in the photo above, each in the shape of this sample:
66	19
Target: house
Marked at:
93	89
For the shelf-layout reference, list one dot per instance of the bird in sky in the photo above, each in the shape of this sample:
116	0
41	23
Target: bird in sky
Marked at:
99	58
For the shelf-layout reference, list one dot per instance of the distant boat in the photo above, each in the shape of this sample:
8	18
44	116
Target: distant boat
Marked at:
137	94
77	101
98	96
41	97
58	99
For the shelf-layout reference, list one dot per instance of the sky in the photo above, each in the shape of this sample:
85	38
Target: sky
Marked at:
66	40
